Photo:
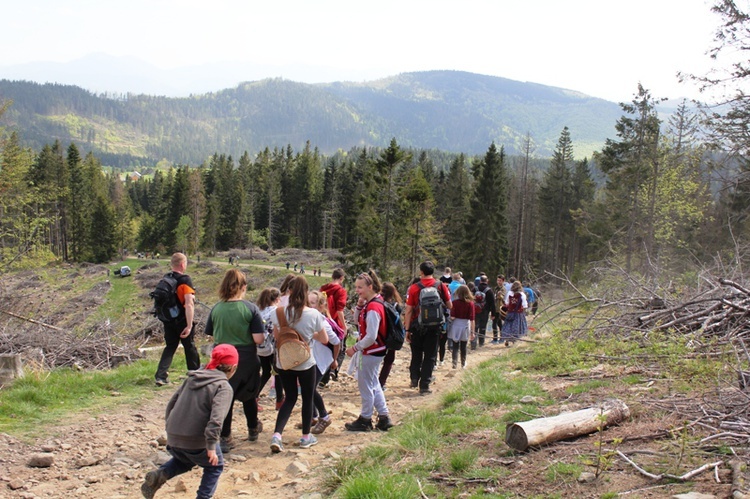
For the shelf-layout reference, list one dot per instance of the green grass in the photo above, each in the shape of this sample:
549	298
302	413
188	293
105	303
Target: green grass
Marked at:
564	472
41	399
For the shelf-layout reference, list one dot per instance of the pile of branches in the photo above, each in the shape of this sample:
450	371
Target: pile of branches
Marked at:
47	347
722	310
629	303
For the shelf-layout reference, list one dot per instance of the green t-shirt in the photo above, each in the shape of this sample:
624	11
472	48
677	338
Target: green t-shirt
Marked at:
234	322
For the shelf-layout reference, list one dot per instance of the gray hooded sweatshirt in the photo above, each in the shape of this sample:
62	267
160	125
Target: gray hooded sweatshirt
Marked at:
197	410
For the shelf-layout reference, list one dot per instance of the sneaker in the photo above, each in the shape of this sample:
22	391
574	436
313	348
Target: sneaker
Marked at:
161	382
253	432
276	445
306	443
425	391
359	424
279	404
226	444
153	482
321	426
414	384
313	422
384	423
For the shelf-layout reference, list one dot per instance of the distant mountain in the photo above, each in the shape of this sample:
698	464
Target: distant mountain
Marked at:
447	110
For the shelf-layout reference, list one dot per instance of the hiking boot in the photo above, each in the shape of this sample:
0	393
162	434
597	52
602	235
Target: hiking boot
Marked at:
414	384
321	426
226	444
276	445
306	443
153	482
253	432
384	423
161	382
425	391
360	424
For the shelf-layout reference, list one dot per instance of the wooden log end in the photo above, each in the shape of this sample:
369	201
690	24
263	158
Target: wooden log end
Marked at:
516	438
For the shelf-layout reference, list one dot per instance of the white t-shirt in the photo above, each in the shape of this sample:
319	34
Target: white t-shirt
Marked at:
323	354
309	322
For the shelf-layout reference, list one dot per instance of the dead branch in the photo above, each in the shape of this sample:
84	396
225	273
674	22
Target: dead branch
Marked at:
49	326
682	478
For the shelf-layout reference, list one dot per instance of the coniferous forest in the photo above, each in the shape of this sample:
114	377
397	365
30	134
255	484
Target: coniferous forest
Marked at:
664	193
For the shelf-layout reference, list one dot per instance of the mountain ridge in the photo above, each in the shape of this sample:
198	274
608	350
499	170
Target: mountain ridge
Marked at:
454	111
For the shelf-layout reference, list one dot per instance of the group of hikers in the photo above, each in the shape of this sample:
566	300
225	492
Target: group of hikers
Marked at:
250	351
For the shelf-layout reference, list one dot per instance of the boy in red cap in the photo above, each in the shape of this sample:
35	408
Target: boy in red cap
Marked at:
194	417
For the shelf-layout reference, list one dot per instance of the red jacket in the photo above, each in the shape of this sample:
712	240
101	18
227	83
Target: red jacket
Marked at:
336	296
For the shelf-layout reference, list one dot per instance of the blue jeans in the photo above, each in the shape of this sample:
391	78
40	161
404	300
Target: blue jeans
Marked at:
184	460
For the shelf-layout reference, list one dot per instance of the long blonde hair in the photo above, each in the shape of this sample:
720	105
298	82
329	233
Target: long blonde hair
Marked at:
320	302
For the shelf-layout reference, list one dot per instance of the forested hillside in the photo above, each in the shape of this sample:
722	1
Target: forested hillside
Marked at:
447	110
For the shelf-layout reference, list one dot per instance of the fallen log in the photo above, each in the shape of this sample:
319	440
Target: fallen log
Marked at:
521	436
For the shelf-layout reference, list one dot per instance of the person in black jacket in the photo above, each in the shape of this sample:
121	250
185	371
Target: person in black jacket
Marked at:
488	311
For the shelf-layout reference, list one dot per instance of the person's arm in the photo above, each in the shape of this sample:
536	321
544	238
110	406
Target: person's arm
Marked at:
321	336
408	312
189	311
219	408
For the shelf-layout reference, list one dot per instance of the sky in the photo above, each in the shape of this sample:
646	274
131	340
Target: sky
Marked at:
602	48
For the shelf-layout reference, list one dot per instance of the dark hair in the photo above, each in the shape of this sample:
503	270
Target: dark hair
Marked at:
267	297
337	274
371	279
483	278
427	267
285	283
231	284
298	290
501	276
390	293
471	287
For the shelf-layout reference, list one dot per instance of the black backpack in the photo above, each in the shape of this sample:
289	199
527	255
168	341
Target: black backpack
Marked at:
166	307
395	334
430	305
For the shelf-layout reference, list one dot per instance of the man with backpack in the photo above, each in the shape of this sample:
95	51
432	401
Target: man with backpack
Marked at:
426	301
179	328
487	310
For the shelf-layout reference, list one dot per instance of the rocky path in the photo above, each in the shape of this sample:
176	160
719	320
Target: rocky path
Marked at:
107	455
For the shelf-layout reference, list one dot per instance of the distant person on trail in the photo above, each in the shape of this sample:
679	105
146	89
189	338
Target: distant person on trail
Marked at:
182	329
390	294
497	322
487	312
238	322
295	266
287	265
194	417
447	277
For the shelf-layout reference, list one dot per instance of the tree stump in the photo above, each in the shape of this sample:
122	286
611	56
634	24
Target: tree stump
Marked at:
10	368
521	436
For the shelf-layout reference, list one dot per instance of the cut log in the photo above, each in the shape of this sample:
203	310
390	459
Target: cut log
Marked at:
521	436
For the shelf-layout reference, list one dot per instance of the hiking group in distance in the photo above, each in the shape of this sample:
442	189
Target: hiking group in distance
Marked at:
297	337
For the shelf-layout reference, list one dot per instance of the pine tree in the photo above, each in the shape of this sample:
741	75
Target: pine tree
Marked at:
486	246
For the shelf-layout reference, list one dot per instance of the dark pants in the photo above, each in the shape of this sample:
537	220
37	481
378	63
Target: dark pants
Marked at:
441	345
172	340
481	326
184	460
320	406
266	364
456	346
385	369
497	326
306	380
424	343
244	385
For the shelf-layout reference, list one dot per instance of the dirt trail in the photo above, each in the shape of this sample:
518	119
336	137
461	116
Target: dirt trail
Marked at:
108	455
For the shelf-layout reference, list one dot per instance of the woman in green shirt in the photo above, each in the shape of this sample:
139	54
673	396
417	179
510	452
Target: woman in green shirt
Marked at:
237	322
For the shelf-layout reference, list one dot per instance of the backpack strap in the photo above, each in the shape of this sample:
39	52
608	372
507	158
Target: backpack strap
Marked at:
281	317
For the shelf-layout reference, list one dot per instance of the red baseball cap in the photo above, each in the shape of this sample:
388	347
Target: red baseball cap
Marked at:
223	354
